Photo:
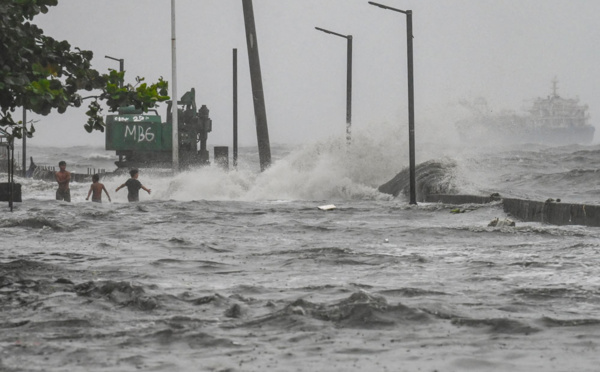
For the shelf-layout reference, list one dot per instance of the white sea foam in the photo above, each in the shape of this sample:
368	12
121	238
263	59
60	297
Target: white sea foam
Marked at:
320	171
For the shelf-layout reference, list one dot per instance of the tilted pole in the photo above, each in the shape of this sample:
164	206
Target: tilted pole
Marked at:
174	107
260	111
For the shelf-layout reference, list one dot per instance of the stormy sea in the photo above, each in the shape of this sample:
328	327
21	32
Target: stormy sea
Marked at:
238	270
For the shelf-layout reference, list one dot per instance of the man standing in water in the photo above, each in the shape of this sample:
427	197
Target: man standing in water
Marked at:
63	178
133	186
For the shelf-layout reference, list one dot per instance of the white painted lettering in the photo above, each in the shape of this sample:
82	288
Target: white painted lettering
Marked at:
141	136
139	133
149	135
130	131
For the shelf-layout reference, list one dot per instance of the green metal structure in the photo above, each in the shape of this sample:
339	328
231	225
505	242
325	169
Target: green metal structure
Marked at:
144	140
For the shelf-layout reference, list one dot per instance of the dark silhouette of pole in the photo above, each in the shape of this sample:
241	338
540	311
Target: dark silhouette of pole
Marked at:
121	64
121	68
348	81
411	97
174	109
260	111
11	173
235	108
349	90
24	142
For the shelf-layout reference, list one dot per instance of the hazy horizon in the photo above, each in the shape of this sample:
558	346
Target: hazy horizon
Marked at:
506	52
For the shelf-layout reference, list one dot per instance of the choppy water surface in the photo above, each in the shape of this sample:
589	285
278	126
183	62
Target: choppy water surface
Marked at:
238	271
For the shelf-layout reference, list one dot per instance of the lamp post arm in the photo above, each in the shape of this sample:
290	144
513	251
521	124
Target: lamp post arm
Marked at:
332	33
387	7
120	60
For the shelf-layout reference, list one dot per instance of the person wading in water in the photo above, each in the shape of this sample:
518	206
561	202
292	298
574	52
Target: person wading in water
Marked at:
96	190
133	186
63	178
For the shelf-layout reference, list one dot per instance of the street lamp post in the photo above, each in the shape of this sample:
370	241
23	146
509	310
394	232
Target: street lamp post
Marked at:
348	81
235	108
121	64
411	97
121	68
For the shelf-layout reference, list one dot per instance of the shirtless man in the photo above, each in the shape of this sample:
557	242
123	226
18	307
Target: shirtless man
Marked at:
63	178
96	190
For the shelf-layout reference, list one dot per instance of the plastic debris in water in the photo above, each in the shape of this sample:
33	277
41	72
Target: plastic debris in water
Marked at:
327	207
496	222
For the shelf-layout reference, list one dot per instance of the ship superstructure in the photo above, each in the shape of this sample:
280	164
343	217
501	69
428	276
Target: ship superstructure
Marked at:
552	120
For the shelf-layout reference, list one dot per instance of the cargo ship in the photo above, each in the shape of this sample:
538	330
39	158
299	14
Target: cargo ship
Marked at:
552	121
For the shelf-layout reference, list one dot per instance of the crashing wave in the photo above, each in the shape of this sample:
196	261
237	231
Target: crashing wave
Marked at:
432	177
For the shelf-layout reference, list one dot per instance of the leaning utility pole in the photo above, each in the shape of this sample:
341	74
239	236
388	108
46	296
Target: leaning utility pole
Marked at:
260	111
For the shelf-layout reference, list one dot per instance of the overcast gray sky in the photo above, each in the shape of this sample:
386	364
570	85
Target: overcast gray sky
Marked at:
505	51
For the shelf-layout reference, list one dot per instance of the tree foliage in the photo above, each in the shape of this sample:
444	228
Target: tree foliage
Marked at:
41	74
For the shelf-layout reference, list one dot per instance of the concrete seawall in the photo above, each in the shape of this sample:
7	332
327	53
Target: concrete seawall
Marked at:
554	213
459	199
